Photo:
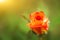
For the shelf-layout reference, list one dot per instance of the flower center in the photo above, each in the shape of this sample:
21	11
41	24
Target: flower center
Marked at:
38	18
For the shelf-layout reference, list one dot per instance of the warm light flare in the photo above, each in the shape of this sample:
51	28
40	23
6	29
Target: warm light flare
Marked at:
2	1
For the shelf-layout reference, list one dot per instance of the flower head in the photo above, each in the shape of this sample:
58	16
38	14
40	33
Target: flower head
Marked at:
38	22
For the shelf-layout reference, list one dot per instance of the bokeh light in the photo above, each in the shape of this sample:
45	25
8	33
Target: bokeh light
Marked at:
2	1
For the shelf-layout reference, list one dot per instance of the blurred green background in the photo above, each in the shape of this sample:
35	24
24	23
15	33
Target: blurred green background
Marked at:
13	25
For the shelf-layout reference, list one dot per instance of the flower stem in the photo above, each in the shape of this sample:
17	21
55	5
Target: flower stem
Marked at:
40	38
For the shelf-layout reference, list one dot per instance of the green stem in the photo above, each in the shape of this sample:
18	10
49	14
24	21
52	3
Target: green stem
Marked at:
40	38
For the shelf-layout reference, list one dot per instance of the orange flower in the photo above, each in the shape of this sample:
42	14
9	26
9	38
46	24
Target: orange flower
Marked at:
38	22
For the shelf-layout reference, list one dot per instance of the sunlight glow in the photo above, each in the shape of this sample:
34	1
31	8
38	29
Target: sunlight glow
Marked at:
2	1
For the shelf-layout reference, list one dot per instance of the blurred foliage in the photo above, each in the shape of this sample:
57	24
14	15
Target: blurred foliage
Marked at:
13	25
